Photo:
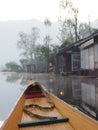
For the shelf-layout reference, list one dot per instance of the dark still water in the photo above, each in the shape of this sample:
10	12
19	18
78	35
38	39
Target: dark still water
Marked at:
80	93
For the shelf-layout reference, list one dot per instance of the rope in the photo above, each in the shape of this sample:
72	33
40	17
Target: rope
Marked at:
52	105
37	115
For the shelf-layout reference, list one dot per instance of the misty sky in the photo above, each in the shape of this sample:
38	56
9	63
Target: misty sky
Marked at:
40	9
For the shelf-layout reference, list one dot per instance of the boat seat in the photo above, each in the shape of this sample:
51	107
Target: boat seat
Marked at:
42	122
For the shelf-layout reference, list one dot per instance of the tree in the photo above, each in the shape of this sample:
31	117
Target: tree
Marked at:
47	39
23	63
42	54
42	51
71	30
23	44
53	52
47	22
34	37
27	43
13	67
69	19
65	32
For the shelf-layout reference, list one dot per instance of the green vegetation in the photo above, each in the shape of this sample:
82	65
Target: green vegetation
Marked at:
71	29
13	67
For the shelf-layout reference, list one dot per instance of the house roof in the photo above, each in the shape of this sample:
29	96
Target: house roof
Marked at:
76	44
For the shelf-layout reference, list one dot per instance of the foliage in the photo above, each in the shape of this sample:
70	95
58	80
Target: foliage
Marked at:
23	63
27	43
47	38
71	29
53	53
43	51
47	22
65	32
13	67
33	52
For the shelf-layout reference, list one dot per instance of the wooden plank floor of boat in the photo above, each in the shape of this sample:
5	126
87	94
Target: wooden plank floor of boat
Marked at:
54	112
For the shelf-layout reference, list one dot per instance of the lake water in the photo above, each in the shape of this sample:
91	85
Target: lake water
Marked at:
11	87
10	90
80	93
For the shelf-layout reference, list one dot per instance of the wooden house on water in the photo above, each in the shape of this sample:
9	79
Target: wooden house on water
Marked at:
89	55
68	60
30	68
80	57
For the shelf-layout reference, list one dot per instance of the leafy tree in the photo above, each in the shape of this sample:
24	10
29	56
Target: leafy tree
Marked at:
82	29
70	18
65	32
23	63
13	67
34	38
71	30
47	23
42	52
27	43
53	52
34	53
47	38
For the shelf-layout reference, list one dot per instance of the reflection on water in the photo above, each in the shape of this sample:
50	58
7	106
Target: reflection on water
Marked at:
79	92
89	96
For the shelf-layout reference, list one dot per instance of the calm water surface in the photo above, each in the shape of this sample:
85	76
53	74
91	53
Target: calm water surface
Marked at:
80	93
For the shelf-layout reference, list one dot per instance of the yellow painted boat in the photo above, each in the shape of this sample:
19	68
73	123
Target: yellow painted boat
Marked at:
37	109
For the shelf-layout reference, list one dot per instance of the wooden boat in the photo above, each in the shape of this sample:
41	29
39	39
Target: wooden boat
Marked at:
37	109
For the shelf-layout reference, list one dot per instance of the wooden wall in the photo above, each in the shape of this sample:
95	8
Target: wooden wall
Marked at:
87	58
89	55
